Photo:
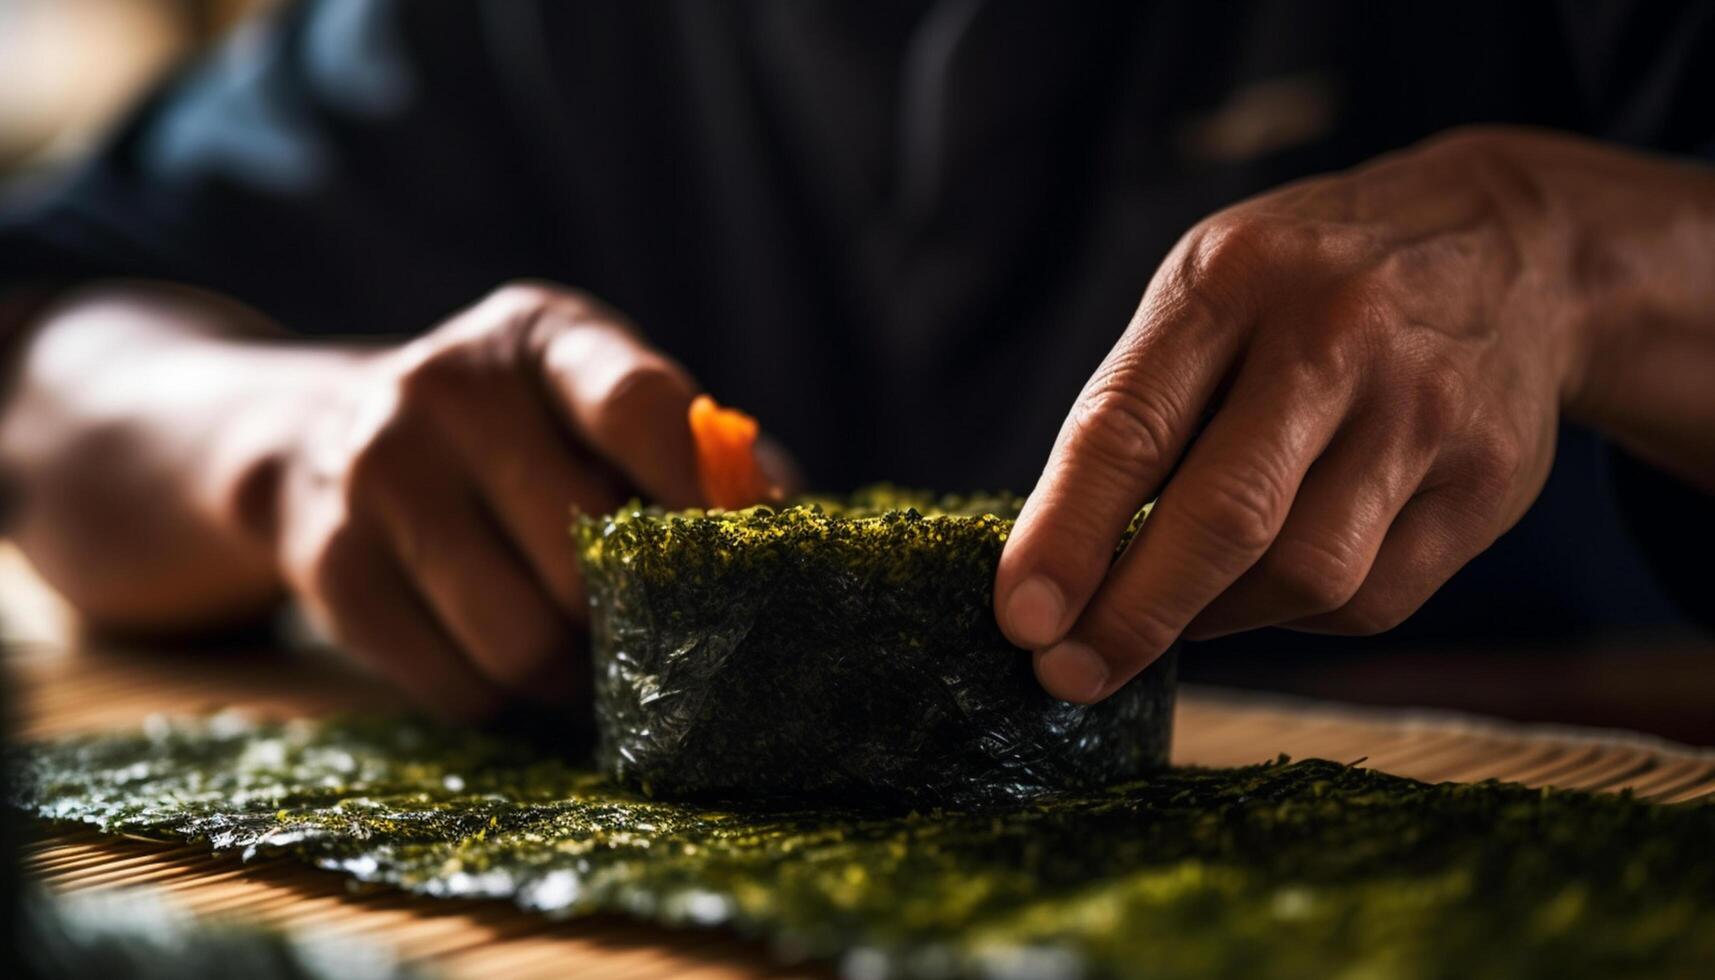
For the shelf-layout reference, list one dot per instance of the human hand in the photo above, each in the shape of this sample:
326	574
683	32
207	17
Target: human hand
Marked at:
1386	351
420	515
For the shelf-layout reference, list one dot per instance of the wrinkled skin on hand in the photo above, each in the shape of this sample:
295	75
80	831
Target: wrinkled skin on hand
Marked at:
1381	356
422	515
189	463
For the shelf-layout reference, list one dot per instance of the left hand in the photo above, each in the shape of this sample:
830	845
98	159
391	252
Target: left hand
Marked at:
1387	352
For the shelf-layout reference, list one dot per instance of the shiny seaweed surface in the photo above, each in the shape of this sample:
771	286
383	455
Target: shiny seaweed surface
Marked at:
841	649
1281	870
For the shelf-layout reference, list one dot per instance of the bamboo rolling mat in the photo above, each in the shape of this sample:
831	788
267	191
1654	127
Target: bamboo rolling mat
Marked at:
57	692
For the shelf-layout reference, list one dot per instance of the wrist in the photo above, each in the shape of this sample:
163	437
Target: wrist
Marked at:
1630	246
1638	273
126	421
1613	252
180	396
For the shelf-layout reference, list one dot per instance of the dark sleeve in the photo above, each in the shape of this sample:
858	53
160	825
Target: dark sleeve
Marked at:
1647	70
1674	525
345	167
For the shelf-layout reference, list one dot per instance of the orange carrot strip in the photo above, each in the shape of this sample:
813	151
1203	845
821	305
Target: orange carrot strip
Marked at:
726	456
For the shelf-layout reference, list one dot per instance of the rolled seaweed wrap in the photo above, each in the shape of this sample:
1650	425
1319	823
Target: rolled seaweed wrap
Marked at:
837	649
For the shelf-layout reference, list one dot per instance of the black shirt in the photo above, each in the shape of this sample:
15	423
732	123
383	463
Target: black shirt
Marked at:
902	234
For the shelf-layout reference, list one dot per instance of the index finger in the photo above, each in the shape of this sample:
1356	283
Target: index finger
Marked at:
1125	432
1218	516
628	402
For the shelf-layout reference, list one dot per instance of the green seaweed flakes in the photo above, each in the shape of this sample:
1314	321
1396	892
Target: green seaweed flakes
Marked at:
1279	870
839	649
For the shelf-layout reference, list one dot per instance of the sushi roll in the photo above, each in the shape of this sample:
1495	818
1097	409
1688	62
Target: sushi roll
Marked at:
839	649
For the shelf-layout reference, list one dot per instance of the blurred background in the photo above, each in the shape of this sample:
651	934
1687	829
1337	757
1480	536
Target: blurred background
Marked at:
69	68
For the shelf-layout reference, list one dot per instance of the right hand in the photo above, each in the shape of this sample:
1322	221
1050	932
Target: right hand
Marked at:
421	514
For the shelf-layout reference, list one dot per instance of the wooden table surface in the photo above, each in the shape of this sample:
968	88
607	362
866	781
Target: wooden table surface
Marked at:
59	689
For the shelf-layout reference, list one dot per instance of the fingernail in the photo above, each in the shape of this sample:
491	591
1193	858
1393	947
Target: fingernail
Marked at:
1072	671
1034	611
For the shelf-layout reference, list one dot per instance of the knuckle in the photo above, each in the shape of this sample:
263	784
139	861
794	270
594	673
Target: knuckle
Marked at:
377	461
1406	266
1493	464
1213	265
1241	511
1370	616
521	302
1326	362
1322	577
649	379
511	322
1440	395
1331	347
521	296
1229	245
1326	334
1241	244
1136	632
434	374
1123	429
630	393
1504	453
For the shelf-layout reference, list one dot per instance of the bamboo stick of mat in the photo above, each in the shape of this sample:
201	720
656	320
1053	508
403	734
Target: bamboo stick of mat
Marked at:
58	690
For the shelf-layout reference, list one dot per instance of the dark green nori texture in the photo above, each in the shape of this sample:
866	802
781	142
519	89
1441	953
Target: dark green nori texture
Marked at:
1308	869
840	650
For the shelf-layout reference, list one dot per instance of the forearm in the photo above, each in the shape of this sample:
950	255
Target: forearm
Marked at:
1640	264
144	432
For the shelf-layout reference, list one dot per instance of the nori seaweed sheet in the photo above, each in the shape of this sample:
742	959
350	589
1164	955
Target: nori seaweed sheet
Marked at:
841	650
1304	869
